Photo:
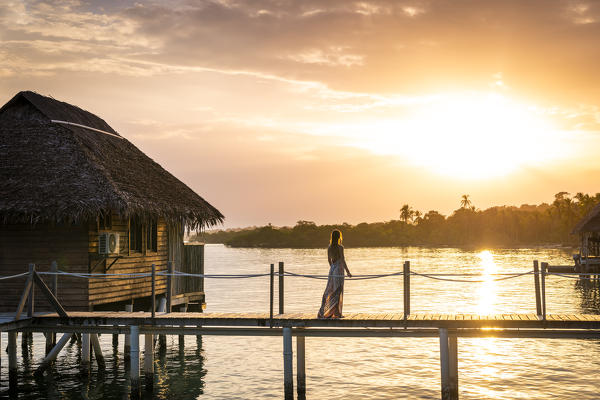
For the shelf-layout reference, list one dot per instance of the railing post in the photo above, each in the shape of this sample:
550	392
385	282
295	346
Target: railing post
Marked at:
271	296
51	336
281	291
169	285
536	281
153	290
406	289
301	364
544	270
30	304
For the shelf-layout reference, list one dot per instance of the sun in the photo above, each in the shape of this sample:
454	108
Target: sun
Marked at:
470	136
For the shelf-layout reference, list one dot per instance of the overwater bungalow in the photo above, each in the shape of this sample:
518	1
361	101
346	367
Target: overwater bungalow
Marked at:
588	230
74	191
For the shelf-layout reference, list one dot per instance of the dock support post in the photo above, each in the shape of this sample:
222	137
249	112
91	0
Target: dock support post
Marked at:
301	365
281	288
453	364
448	365
134	333
149	361
97	350
288	368
406	289
85	352
544	269
536	281
271	295
30	304
12	361
127	341
182	337
54	352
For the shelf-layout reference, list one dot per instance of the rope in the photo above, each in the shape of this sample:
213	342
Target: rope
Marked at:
439	278
217	276
2	278
354	277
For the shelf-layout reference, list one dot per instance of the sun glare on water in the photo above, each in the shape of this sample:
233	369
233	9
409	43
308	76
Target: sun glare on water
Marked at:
469	136
487	290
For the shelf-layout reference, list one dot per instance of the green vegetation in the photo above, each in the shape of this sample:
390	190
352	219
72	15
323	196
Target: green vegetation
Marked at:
502	226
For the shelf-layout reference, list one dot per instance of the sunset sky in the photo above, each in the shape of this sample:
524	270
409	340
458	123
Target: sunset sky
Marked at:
330	111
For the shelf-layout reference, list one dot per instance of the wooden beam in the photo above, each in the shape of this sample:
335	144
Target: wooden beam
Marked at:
97	350
24	296
49	296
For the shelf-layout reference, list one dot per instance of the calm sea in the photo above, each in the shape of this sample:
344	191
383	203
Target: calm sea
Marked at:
354	368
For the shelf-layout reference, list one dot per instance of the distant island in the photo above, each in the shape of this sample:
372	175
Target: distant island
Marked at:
499	226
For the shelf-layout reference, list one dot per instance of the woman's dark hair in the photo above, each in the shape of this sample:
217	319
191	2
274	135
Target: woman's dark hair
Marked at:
336	238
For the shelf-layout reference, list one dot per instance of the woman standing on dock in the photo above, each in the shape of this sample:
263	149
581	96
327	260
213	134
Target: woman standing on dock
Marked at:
331	305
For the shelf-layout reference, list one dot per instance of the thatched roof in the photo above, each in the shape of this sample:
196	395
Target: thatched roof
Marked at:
589	223
58	172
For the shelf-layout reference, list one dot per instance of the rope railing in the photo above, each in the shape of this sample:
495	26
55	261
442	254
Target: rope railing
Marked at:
458	277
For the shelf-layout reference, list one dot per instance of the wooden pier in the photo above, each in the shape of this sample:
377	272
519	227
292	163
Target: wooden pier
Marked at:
448	327
161	321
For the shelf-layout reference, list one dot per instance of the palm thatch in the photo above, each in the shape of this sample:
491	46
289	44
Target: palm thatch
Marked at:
589	223
56	172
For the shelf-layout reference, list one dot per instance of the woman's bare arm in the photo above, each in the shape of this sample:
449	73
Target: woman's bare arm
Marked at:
344	261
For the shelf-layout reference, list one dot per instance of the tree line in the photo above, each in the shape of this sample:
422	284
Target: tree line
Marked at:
499	226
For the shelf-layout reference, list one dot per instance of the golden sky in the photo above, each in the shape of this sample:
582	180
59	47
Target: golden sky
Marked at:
330	111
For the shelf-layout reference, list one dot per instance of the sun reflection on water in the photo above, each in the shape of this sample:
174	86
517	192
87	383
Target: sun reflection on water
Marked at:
487	289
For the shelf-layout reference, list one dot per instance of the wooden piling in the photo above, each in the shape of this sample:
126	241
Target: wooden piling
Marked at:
300	365
31	300
536	281
97	350
54	352
12	360
453	364
406	289
281	288
271	295
134	359
288	369
149	361
444	363
544	269
127	341
85	352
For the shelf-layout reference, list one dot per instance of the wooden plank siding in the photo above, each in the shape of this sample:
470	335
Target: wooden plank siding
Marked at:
21	244
109	291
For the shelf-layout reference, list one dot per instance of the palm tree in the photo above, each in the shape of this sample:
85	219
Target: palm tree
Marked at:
406	213
465	202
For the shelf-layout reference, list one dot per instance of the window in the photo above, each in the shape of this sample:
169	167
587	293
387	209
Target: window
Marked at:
151	236
104	221
135	234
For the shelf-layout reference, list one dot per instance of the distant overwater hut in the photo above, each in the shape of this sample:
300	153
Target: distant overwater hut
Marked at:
75	192
588	229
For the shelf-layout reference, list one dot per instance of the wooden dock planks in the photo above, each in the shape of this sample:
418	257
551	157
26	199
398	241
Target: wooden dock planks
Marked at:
351	320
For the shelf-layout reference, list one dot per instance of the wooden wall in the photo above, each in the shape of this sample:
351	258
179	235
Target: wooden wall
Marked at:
21	244
103	291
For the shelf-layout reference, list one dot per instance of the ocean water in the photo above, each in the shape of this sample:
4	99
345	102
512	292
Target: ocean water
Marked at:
220	367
